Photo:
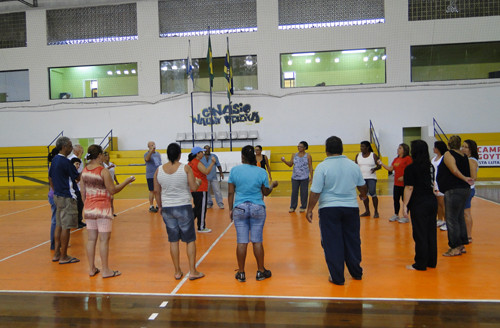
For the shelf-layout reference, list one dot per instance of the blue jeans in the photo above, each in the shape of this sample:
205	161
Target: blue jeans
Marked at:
179	221
53	208
249	219
454	205
303	186
215	187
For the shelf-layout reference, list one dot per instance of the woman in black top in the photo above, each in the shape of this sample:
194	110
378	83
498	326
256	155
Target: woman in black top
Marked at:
454	181
262	160
420	200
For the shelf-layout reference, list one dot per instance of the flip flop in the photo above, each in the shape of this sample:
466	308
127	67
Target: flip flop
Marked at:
71	260
55	260
197	277
115	274
95	272
178	277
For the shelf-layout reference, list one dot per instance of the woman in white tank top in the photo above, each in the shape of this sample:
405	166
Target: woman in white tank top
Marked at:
173	183
440	148
368	164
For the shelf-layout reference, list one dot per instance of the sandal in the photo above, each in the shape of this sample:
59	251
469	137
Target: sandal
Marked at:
453	252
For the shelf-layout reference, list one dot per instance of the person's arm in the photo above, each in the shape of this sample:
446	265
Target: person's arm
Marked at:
310	164
363	190
83	190
193	182
110	186
406	199
473	169
147	157
157	191
356	158
387	167
378	167
451	164
289	163
230	199
116	180
313	200
221	172
268	167
206	170
266	191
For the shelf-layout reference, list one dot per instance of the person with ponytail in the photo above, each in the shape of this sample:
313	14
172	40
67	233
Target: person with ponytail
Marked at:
469	148
97	188
419	198
246	185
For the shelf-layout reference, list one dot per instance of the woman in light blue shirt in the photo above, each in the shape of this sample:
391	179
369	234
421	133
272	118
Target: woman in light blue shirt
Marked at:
246	185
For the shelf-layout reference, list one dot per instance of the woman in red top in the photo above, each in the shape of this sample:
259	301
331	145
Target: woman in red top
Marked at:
398	166
200	196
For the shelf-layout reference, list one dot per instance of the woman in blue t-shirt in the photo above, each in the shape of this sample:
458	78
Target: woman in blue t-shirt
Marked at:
246	185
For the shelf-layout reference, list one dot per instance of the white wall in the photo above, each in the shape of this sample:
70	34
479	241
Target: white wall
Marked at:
288	116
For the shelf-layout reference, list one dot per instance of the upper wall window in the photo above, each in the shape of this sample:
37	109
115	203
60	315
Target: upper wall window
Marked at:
14	86
92	24
174	78
463	61
13	30
346	67
443	9
195	17
93	81
301	14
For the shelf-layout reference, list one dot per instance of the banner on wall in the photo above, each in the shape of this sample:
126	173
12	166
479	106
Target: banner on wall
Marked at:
489	155
220	115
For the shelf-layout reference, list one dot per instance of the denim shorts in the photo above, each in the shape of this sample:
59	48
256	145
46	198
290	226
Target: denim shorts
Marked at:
468	203
371	184
179	221
249	219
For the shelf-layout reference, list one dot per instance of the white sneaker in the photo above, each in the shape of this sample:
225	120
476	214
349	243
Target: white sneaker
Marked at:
221	206
206	230
209	206
439	223
394	218
443	227
403	220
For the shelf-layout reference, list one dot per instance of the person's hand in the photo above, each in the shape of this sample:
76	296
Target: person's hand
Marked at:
379	162
373	170
400	178
222	176
231	215
363	197
198	181
130	179
283	158
274	184
470	181
213	160
309	216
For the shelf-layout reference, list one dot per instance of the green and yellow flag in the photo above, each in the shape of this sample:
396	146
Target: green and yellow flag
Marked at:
210	63
228	74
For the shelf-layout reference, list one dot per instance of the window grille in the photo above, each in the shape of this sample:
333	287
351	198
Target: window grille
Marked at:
13	30
444	9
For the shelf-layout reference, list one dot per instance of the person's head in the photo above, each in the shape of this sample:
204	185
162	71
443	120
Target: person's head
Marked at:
207	150
334	146
248	155
173	152
303	146
52	154
197	152
420	151
258	150
78	151
455	142
403	150
469	148
365	147
64	145
76	162
152	145
94	152
106	157
440	147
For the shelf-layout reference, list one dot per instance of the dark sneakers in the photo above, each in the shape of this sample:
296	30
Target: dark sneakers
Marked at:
261	275
240	276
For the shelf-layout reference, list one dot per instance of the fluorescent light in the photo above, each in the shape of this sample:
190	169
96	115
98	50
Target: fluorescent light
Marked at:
133	71
317	60
118	72
375	58
337	60
289	62
358	51
125	72
183	66
174	66
164	68
365	59
384	57
308	61
249	62
304	54
110	73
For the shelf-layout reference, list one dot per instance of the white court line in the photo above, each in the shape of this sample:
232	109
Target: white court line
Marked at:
153	316
278	297
487	200
25	210
48	241
179	285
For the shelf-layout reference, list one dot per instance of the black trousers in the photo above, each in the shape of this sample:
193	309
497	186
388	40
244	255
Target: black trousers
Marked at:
397	194
200	208
423	222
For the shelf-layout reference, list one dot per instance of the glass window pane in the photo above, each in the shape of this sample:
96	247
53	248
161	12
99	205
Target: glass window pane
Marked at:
93	81
463	61
175	80
14	86
346	67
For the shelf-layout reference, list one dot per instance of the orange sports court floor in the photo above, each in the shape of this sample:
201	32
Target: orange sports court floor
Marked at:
140	250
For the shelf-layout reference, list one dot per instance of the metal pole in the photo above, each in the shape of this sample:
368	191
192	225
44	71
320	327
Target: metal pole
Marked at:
192	119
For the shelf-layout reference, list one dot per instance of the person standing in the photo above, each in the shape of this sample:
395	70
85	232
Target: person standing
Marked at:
61	176
262	160
97	188
469	148
248	211
334	187
213	182
111	168
173	185
200	195
53	207
302	172
420	200
367	161
439	149
77	153
153	161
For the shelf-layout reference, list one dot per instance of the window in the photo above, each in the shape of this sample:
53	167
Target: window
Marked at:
92	24
193	17
358	66
463	61
93	81
302	14
444	9
14	86
13	27
175	80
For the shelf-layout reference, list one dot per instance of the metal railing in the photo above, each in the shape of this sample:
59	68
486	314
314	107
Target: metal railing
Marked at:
374	138
13	166
438	131
109	138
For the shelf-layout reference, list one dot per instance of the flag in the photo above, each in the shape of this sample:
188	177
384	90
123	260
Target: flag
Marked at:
228	73
210	63
189	65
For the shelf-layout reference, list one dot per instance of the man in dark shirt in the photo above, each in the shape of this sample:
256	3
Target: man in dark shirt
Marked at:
61	176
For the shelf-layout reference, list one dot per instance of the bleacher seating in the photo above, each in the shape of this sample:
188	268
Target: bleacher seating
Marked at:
221	136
